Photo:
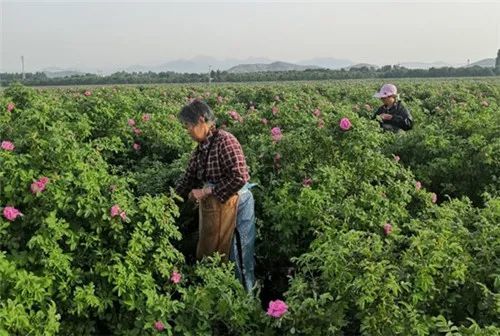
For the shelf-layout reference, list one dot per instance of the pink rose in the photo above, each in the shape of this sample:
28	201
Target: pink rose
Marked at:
277	308
10	106
176	277
11	213
137	131
434	198
397	158
87	93
418	185
8	146
307	182
275	110
276	134
115	210
387	229
235	116
146	117
123	215
136	146
317	113
345	124
131	122
158	325
39	186
321	123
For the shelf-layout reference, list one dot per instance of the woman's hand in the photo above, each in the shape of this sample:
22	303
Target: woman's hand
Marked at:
386	116
197	195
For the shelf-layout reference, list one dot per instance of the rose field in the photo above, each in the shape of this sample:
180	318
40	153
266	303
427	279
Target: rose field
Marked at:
359	231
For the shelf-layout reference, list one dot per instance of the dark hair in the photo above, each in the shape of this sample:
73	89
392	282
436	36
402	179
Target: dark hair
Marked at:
192	112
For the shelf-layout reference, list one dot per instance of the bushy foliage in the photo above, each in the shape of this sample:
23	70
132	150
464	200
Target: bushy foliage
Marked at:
359	231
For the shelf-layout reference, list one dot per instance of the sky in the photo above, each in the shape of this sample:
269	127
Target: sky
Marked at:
105	34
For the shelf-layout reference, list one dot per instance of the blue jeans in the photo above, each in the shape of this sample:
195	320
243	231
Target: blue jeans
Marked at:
243	244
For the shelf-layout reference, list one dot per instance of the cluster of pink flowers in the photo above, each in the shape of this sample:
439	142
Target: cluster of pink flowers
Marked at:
158	325
137	131
235	116
387	229
116	211
175	277
277	308
307	182
10	106
8	146
276	134
39	185
345	124
11	213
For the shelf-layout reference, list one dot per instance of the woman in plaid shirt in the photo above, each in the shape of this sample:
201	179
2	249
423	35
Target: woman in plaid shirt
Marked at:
217	179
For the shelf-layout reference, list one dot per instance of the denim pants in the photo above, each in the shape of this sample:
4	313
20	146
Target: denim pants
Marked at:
243	244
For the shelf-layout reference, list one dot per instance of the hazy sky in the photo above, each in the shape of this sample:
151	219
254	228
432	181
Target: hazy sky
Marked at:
103	34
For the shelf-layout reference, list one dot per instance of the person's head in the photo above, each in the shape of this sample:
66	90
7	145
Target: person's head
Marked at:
198	119
388	94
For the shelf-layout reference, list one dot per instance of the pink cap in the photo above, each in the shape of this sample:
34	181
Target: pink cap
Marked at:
387	90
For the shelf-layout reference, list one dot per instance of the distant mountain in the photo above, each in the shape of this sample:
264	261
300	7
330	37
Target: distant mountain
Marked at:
327	62
275	66
199	64
485	63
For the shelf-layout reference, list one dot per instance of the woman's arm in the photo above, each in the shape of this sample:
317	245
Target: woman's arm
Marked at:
234	167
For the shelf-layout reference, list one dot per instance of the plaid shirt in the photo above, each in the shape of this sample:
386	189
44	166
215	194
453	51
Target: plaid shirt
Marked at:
225	166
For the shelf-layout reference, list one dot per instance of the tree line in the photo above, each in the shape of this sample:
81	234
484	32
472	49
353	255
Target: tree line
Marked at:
388	71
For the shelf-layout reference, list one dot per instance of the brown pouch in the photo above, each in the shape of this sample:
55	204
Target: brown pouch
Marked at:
217	222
